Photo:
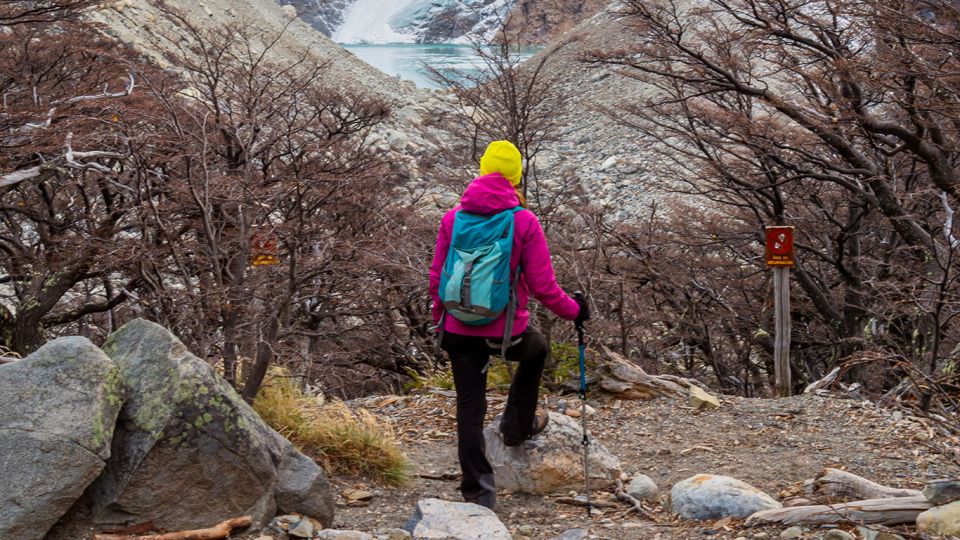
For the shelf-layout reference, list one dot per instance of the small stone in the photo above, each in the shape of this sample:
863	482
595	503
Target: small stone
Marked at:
526	530
265	537
434	518
357	495
837	534
572	534
792	532
700	399
942	492
708	496
301	529
942	520
761	535
870	534
290	12
643	487
398	534
608	164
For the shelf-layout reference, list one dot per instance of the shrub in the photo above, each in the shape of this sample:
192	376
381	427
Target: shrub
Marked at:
343	440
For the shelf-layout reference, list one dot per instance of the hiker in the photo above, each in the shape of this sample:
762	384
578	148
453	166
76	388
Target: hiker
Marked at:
492	200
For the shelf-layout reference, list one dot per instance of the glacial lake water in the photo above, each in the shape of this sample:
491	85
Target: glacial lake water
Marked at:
406	60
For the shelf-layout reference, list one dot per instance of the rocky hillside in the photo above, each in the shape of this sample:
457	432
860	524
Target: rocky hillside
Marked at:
153	30
440	21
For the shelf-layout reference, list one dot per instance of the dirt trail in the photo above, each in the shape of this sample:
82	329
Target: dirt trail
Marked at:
771	444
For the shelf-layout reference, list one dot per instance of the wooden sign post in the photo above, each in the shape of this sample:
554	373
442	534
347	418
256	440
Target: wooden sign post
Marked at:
779	256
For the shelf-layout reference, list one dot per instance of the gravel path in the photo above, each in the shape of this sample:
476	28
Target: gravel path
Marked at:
771	444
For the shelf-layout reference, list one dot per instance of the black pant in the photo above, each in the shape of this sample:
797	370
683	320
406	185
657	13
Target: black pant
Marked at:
468	356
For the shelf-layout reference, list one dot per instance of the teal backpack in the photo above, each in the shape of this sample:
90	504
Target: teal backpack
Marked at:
476	285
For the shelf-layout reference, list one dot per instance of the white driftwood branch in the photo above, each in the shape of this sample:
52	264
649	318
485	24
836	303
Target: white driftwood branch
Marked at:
217	532
872	511
825	382
71	157
106	94
628	381
844	486
16	177
948	222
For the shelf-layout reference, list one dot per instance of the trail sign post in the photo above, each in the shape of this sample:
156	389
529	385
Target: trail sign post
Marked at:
779	256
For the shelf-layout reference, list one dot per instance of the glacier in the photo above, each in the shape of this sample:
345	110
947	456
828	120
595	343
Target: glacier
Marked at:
369	21
420	21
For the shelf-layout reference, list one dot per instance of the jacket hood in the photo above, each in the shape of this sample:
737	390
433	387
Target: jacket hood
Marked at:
489	194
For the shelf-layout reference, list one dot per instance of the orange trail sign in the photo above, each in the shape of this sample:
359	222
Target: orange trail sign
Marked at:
779	250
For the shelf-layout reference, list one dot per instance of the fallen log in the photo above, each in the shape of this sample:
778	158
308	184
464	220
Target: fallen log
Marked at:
573	501
825	382
625	380
217	532
840	485
872	511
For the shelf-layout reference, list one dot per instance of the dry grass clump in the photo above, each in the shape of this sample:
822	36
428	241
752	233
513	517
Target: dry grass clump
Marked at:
343	440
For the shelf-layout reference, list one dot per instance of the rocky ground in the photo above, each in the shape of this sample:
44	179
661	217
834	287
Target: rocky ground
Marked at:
771	444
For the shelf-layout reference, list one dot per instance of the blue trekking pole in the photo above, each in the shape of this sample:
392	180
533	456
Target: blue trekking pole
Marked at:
581	342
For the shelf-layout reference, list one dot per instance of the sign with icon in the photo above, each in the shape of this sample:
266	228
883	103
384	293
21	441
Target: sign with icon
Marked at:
779	251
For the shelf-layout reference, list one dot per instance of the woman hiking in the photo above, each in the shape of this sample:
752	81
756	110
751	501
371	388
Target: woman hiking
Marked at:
470	334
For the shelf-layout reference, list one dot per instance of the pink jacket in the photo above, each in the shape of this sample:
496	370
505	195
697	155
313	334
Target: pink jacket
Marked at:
488	195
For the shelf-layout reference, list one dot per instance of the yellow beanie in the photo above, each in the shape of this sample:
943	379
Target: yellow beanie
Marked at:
504	158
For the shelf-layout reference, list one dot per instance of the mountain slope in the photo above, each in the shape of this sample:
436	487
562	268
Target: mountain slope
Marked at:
151	29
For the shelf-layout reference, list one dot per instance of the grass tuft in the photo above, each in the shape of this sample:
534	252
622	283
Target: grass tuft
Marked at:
345	441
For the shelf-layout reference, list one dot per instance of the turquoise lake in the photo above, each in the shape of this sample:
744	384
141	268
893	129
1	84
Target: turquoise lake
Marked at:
407	60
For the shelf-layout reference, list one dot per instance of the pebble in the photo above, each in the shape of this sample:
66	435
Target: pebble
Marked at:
301	529
792	532
761	536
838	535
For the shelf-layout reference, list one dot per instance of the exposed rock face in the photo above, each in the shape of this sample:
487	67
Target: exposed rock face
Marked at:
546	20
551	461
58	407
434	518
188	450
707	496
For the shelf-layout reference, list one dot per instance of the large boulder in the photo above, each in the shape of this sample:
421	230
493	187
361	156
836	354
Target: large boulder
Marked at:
551	461
188	450
444	520
708	496
58	407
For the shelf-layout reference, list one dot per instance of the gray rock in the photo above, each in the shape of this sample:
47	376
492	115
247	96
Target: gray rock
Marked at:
551	461
943	520
58	408
837	534
870	534
437	519
642	487
609	164
792	532
185	438
707	496
303	528
942	492
395	534
572	534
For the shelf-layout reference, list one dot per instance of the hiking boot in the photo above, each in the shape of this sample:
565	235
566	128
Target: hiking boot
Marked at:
540	421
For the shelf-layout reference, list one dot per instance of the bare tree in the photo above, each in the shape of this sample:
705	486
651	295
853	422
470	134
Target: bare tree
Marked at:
834	116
